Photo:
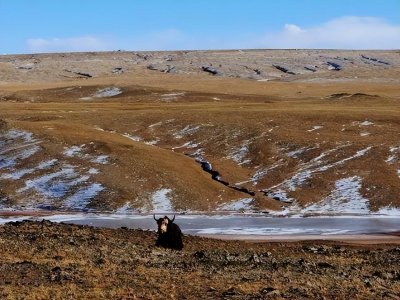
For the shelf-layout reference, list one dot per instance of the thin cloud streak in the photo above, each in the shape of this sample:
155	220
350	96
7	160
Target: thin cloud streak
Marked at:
342	33
358	33
71	44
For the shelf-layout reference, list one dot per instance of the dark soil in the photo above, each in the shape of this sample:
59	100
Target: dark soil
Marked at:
44	260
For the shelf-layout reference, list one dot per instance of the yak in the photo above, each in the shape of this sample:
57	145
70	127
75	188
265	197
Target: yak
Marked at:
169	233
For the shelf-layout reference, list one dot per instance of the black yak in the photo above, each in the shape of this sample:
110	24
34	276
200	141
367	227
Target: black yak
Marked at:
169	234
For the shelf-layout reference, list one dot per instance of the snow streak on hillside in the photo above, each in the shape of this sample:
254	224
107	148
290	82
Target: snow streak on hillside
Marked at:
46	182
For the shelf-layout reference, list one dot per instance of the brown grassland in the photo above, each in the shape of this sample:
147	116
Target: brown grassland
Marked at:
275	117
150	133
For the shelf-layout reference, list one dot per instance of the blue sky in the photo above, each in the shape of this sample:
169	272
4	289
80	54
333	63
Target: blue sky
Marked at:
33	26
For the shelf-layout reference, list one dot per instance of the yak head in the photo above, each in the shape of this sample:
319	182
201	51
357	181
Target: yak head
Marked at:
162	223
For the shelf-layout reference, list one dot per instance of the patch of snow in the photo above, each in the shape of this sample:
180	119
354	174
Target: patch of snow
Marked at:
286	211
125	209
93	171
389	211
173	95
11	160
14	134
239	205
395	151
279	195
198	153
101	159
153	142
161	201
155	124
72	151
244	162
345	199
133	137
107	92
189	145
82	197
261	173
295	153
366	123
48	187
308	169
239	154
6	163
20	173
188	130
364	133
301	177
317	127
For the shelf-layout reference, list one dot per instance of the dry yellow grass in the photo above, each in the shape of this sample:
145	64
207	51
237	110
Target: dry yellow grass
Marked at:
276	117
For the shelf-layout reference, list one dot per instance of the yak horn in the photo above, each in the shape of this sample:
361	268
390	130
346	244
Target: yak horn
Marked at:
173	219
154	216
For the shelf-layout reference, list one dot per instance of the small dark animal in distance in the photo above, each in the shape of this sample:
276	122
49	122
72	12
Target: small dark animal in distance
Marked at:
169	233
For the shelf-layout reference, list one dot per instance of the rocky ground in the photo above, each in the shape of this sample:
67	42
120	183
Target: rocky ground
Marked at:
43	260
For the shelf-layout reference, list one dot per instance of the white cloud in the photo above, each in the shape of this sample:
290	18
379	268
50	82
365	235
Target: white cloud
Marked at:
70	44
341	33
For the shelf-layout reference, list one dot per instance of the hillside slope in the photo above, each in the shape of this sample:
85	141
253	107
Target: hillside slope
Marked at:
110	132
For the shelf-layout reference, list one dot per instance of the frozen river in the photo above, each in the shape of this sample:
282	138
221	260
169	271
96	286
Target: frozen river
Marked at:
236	225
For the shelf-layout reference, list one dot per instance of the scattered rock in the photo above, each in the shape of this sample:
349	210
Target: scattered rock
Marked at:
270	291
166	69
230	292
210	70
325	265
118	70
152	67
169	69
26	67
312	69
283	69
375	60
333	66
82	74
